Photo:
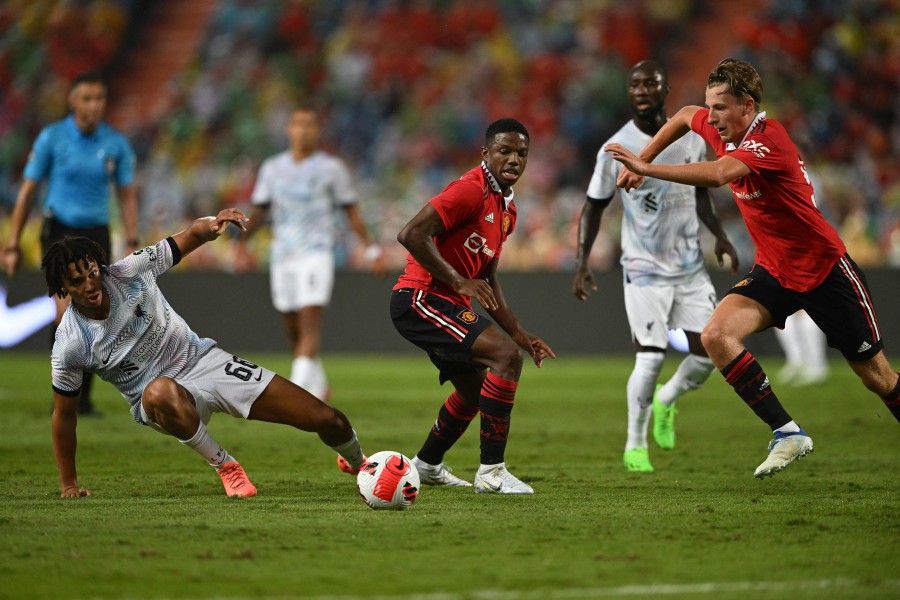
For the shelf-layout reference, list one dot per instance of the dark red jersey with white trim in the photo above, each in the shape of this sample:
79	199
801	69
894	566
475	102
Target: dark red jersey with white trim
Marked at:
478	220
793	240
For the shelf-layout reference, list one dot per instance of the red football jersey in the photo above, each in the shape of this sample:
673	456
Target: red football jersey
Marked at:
793	240
478	220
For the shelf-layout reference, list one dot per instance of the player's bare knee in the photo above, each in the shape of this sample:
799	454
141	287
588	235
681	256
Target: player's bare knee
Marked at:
712	338
161	399
508	362
154	396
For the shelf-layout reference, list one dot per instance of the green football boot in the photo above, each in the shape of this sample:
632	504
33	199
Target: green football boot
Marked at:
663	423
637	460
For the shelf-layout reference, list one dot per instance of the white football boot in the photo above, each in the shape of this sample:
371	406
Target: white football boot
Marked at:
495	479
783	450
437	474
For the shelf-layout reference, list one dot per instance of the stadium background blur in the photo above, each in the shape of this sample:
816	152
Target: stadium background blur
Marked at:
203	89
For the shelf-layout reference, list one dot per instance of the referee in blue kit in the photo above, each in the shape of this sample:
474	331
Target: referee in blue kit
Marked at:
79	157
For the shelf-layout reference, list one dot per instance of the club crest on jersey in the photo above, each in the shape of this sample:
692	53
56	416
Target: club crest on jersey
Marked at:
743	282
507	221
467	316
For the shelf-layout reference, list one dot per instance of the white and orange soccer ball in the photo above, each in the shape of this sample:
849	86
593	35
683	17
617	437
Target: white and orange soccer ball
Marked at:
388	481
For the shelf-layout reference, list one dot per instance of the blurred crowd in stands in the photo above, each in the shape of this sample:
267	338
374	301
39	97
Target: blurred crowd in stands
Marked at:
406	88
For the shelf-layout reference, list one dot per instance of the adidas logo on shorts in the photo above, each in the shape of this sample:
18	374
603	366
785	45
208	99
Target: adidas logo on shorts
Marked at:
865	346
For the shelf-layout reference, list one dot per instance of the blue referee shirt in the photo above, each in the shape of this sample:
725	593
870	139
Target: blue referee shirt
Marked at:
79	168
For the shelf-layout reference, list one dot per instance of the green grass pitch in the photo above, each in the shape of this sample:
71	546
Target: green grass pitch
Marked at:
159	525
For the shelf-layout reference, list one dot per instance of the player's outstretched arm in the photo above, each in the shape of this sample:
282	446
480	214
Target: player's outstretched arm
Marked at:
703	174
634	167
674	129
206	229
65	440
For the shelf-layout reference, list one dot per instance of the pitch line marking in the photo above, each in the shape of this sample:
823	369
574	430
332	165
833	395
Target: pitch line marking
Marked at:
654	590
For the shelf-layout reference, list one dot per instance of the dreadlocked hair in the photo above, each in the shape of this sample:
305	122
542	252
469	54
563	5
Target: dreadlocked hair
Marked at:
65	252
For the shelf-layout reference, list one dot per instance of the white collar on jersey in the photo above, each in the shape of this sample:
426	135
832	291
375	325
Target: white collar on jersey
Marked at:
759	117
496	186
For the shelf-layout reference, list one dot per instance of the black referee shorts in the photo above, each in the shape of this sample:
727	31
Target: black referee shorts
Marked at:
841	306
53	231
444	330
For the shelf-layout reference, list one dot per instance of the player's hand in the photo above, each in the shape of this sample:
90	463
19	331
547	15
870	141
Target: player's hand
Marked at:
723	247
539	350
12	256
73	491
631	176
235	216
480	290
374	255
584	281
628	180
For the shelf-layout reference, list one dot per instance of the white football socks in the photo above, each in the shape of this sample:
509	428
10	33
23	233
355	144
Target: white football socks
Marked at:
318	383
691	374
789	427
639	392
301	371
309	374
208	448
812	341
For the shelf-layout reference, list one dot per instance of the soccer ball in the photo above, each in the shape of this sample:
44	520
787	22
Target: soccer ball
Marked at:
388	481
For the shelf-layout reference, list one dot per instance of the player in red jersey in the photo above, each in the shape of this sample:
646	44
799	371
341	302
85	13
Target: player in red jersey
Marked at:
454	245
801	263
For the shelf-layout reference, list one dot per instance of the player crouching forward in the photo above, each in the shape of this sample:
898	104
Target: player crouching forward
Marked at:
455	242
120	326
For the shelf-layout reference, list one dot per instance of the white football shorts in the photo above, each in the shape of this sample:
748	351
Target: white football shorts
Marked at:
299	281
654	309
221	382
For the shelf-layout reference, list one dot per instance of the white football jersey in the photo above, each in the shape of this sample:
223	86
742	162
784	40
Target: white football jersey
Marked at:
660	224
142	339
302	196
